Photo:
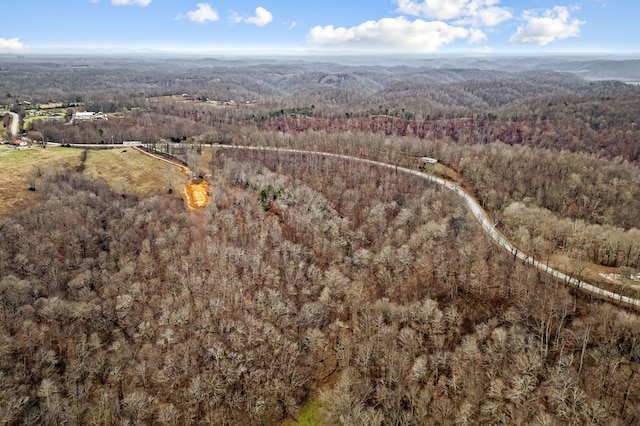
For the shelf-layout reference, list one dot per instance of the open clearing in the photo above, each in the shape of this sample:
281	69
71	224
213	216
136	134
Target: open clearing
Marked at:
130	171
18	165
127	171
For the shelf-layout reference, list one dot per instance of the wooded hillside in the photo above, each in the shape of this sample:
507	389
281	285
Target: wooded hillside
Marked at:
316	281
300	274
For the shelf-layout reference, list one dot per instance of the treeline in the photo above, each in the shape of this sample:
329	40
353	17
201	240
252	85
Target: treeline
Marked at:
578	191
303	272
584	204
576	185
134	125
604	125
544	233
605	134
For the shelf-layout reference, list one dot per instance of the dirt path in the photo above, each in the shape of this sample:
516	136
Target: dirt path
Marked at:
195	193
184	169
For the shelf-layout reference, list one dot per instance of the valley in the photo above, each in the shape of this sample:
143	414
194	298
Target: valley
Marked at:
405	241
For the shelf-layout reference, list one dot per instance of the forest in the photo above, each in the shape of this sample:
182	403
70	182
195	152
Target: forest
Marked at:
318	283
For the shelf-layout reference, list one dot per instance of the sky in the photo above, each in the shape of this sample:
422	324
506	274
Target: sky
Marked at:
321	26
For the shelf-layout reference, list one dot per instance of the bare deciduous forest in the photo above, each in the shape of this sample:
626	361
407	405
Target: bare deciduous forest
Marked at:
374	295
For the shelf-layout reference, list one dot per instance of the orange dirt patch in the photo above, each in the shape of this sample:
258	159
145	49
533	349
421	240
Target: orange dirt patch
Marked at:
197	194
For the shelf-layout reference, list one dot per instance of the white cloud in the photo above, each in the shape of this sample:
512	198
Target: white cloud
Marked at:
437	9
554	24
468	12
11	45
142	3
204	13
235	18
391	35
487	17
476	36
262	17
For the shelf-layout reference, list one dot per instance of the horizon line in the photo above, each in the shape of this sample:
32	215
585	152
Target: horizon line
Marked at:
269	52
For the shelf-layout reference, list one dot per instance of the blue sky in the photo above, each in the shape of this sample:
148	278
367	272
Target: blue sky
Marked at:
322	26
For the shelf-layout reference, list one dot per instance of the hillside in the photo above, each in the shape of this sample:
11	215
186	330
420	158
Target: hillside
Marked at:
74	78
321	273
318	287
127	172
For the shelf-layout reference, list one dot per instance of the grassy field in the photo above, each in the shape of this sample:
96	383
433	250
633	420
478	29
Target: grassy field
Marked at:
31	119
129	171
125	170
18	165
52	105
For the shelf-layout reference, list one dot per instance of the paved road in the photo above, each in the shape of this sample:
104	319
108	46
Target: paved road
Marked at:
477	212
15	121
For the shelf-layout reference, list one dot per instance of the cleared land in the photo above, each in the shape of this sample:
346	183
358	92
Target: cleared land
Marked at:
127	171
197	194
19	165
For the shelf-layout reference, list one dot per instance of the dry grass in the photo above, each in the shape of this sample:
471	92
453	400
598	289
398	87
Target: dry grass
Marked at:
125	171
129	171
18	165
205	158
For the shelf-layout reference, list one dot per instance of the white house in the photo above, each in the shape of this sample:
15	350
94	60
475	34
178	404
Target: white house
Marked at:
83	115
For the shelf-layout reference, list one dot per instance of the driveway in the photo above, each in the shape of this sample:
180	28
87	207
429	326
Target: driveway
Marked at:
15	121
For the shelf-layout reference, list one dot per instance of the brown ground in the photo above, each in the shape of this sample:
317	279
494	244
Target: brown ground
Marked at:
196	194
127	170
17	167
132	171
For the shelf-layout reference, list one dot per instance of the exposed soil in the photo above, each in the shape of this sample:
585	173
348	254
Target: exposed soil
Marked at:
196	194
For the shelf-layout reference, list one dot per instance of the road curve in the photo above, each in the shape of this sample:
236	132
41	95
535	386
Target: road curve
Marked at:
15	122
477	212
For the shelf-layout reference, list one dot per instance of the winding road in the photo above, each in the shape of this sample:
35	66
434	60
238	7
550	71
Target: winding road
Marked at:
477	212
15	121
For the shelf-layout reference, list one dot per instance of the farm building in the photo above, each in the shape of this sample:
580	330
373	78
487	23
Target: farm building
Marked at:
83	115
89	115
